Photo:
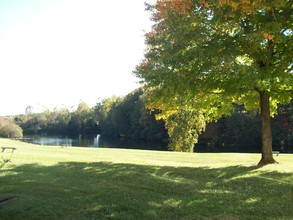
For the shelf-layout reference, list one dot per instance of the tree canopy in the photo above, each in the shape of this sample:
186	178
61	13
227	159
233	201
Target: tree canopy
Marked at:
207	55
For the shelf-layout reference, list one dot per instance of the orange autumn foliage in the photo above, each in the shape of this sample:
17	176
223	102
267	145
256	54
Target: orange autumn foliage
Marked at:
164	6
186	6
245	6
268	36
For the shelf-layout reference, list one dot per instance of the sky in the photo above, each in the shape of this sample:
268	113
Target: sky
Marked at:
57	53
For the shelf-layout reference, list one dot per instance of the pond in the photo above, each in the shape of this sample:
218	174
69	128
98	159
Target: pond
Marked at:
93	141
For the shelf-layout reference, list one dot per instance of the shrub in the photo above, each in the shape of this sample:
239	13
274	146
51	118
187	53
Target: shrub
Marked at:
9	129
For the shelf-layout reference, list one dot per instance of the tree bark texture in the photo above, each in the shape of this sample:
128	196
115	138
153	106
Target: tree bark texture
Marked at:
266	130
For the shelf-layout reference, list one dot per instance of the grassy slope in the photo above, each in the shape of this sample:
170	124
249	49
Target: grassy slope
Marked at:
87	183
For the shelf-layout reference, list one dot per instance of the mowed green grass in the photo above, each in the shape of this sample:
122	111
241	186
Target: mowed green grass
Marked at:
50	182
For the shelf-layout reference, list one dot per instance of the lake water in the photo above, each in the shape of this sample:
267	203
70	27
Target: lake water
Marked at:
93	141
98	141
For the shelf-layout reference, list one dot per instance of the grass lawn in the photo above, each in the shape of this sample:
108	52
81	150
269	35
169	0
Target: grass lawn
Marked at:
92	183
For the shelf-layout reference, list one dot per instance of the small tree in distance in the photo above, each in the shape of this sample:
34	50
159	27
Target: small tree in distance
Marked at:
8	129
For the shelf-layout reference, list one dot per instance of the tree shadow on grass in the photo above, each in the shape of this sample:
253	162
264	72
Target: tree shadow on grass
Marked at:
125	191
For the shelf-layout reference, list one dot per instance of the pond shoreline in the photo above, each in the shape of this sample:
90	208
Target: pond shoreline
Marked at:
93	141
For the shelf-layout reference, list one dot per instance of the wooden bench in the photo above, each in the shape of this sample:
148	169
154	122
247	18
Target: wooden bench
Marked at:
9	148
276	152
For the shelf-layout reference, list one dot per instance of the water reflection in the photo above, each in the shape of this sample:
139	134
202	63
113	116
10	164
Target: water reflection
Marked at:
93	141
97	141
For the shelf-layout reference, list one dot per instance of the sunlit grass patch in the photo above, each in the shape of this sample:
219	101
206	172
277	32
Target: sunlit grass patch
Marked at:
83	183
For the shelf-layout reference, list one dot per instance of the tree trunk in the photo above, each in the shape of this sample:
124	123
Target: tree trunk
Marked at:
266	130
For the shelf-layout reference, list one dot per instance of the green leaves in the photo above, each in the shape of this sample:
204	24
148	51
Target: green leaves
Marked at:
183	127
220	53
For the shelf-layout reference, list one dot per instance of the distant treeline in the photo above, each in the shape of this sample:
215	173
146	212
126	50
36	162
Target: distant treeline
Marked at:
127	117
116	116
241	131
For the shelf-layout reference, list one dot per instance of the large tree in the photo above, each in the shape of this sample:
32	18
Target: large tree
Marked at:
208	55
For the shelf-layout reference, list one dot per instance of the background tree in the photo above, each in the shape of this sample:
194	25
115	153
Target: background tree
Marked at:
184	127
208	55
82	119
127	117
283	128
238	132
107	116
57	121
9	129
